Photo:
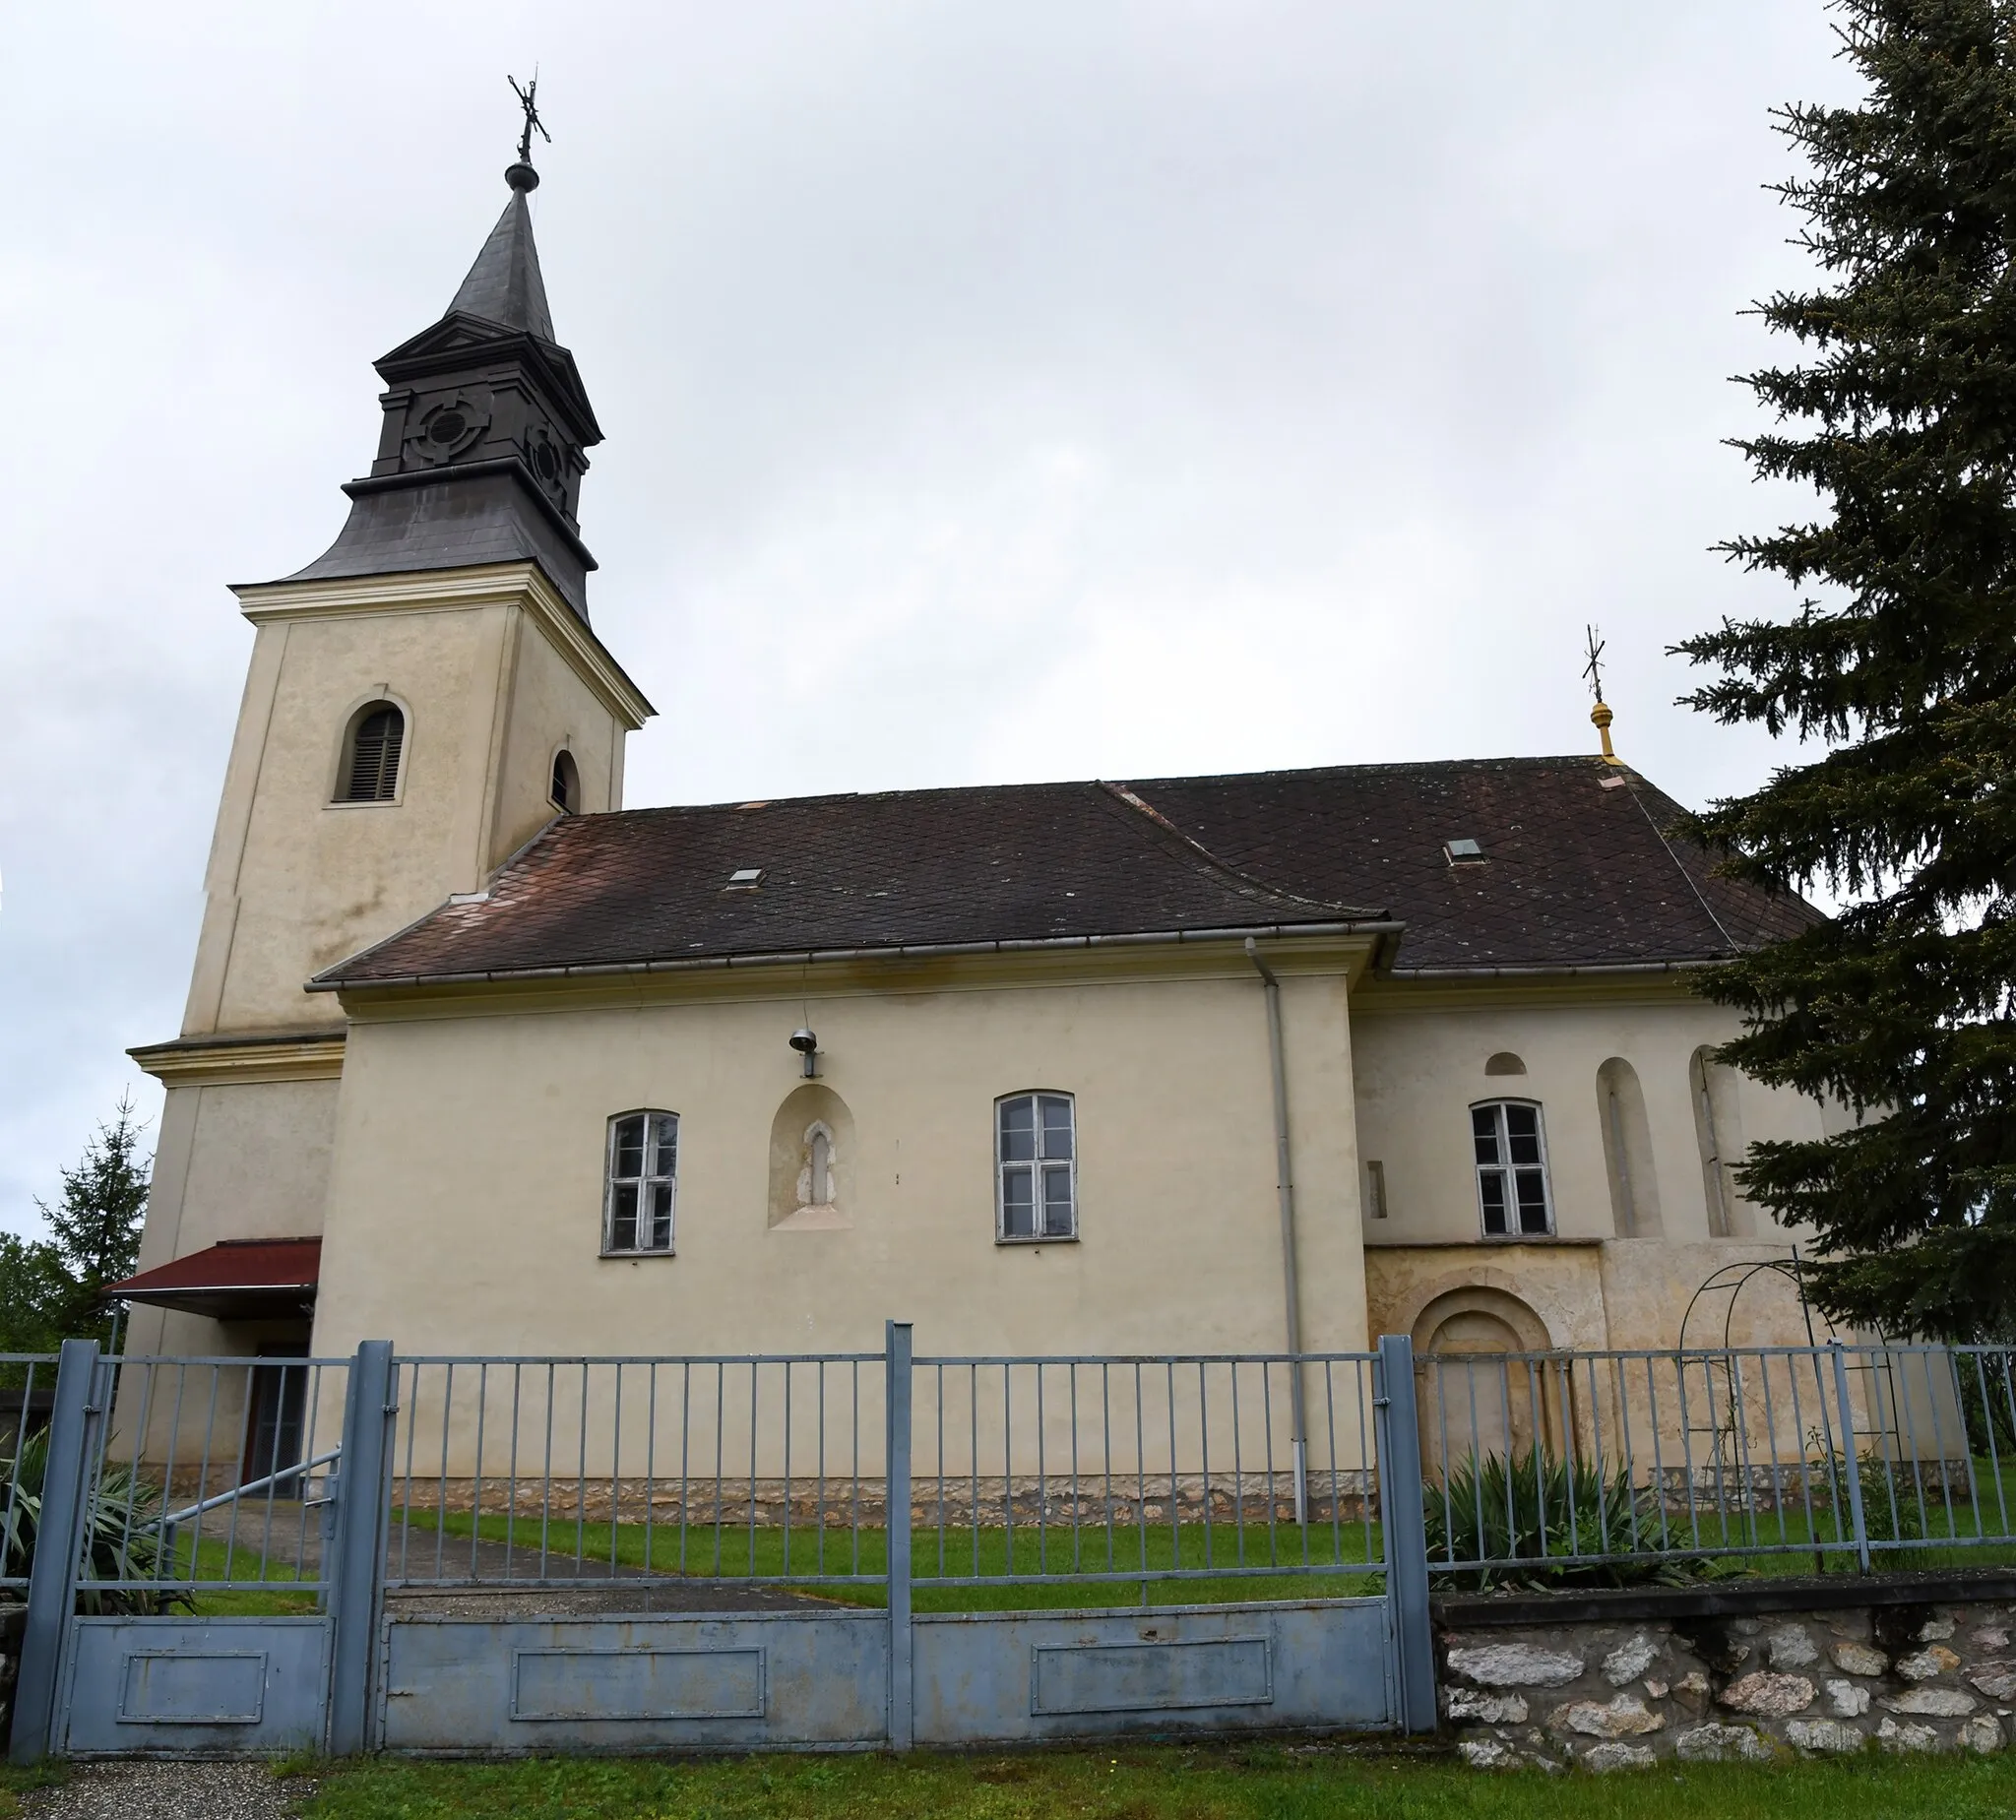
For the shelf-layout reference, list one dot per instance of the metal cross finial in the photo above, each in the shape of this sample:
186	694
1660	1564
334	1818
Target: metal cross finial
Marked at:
1593	669
527	100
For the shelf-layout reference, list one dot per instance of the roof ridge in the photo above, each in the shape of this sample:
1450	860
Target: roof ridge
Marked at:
1679	865
1578	759
1197	853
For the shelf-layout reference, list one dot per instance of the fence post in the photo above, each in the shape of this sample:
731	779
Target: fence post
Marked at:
59	1539
1855	1469
357	1567
1404	1523
896	1353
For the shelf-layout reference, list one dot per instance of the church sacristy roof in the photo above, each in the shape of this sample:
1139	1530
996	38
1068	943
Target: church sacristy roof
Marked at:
1569	869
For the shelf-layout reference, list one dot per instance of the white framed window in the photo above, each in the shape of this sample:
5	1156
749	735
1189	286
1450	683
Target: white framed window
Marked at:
1036	1169
1510	1147
643	1183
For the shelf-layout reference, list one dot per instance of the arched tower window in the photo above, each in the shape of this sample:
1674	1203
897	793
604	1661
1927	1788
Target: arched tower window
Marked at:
370	756
566	785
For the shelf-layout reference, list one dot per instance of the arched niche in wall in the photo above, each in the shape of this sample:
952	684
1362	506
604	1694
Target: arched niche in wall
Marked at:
1477	1396
1719	1132
1504	1063
811	1162
1627	1150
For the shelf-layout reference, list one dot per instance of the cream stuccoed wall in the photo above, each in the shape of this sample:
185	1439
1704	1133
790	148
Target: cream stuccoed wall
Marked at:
464	1209
237	1159
493	673
1420	1055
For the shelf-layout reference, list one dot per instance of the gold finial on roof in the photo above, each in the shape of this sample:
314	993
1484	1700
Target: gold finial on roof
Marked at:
1600	716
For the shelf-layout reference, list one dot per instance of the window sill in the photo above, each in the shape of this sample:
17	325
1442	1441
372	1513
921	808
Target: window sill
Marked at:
369	802
1069	1239
617	1257
1547	1240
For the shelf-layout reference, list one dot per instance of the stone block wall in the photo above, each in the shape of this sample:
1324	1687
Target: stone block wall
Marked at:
1625	1695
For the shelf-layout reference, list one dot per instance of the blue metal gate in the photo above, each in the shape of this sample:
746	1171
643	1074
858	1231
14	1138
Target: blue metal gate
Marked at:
847	1550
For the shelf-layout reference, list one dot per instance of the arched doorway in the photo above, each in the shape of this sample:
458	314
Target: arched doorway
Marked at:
1488	1383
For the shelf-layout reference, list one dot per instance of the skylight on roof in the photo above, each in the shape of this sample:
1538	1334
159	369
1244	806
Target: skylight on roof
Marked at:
747	878
1463	851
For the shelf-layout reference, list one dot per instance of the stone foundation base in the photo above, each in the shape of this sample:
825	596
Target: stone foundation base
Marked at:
1794	1684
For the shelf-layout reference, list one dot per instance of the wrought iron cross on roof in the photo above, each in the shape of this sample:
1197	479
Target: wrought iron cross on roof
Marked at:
1593	669
527	98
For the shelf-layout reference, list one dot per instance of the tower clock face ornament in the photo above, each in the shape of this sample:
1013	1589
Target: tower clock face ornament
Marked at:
446	429
548	457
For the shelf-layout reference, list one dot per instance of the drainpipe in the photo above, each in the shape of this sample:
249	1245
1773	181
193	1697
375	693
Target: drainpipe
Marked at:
1284	1181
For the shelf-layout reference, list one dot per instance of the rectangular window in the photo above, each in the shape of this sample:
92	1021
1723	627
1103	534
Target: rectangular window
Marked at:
1510	1153
1376	1191
643	1182
1036	1167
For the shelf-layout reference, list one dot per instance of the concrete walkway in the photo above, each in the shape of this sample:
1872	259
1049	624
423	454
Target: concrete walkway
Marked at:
289	1540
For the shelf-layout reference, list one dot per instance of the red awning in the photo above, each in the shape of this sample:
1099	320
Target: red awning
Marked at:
239	1279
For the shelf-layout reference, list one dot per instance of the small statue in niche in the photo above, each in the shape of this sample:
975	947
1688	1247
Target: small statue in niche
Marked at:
815	1179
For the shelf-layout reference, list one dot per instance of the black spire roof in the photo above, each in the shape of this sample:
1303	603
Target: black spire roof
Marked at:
485	436
504	286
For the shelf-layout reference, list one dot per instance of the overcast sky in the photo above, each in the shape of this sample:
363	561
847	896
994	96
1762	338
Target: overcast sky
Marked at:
994	390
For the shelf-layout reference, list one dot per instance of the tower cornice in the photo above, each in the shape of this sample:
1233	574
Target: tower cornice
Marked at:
524	584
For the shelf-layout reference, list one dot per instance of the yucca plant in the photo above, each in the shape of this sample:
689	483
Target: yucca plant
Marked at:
122	1549
1532	1514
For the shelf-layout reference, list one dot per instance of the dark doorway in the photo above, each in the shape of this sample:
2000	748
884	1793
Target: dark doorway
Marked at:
274	1421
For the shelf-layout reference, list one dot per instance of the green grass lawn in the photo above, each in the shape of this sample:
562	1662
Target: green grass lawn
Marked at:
980	1559
1132	1783
1266	1783
1282	1562
269	1601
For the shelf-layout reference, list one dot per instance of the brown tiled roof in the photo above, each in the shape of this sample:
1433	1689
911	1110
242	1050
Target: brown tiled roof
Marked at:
1574	874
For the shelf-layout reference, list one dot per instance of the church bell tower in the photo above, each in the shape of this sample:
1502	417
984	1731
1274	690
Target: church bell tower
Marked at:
421	698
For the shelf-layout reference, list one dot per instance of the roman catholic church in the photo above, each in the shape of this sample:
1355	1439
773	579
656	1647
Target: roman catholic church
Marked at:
479	1061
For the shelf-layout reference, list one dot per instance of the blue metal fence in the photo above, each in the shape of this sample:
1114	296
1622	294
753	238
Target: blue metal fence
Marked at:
1779	1458
342	1522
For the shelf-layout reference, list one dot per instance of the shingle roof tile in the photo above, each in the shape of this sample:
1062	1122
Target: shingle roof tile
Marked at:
1573	873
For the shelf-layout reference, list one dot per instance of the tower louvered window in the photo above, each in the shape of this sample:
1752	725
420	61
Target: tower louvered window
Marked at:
370	772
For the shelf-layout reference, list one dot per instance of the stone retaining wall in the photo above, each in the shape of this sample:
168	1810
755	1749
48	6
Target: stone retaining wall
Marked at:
1625	1695
1254	1498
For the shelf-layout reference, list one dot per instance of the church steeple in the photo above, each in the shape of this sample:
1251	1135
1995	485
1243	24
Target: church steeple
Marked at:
505	285
486	431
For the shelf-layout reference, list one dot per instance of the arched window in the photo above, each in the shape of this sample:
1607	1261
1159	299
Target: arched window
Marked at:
812	1162
819	1169
1036	1167
1627	1149
643	1182
1720	1136
371	755
565	789
1511	1155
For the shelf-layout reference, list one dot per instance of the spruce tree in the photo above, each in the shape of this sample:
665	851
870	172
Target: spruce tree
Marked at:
1899	664
51	1286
